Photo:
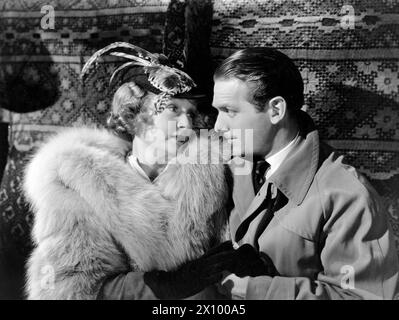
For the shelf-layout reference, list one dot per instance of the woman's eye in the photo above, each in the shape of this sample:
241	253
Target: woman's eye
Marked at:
172	108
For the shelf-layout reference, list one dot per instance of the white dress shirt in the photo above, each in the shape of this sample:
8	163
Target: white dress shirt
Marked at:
134	163
277	159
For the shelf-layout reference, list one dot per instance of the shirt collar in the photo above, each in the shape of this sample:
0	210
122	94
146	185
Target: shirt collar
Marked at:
295	175
277	159
133	160
134	163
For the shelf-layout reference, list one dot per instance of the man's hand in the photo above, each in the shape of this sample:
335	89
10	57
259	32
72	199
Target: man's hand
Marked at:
246	261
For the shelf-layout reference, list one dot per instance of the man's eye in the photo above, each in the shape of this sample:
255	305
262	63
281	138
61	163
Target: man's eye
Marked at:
227	110
231	113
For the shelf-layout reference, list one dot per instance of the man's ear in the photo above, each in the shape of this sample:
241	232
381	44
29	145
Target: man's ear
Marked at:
277	109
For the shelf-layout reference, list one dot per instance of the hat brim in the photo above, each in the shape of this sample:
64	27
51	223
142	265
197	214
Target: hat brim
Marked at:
190	95
141	79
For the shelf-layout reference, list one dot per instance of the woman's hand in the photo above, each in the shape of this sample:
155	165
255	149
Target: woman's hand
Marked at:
196	275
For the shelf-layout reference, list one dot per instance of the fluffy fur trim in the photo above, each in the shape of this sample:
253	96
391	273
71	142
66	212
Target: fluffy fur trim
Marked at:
96	216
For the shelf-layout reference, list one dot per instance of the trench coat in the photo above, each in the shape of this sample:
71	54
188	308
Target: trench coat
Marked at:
330	239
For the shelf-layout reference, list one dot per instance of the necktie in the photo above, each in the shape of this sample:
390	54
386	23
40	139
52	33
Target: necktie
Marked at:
258	174
275	203
242	229
272	203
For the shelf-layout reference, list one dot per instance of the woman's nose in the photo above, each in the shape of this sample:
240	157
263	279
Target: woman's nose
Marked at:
184	121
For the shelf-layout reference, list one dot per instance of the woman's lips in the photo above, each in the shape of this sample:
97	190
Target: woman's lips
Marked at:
182	139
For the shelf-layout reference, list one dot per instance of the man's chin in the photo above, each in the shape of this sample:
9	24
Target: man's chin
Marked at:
239	152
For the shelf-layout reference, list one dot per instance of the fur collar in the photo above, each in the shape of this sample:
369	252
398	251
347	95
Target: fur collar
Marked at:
94	211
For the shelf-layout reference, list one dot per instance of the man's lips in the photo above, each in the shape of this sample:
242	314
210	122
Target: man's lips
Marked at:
231	139
228	136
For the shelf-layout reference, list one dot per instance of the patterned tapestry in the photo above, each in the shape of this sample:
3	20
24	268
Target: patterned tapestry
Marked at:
348	54
39	68
347	51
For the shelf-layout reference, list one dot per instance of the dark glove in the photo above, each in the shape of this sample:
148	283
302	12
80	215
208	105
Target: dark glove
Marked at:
189	279
196	275
245	261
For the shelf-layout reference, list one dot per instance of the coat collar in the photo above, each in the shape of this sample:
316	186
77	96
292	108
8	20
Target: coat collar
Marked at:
301	163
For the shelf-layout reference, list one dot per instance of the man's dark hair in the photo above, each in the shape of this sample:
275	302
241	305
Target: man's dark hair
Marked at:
271	73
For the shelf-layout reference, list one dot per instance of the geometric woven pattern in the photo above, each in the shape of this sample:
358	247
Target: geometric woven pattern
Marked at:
348	55
39	83
350	67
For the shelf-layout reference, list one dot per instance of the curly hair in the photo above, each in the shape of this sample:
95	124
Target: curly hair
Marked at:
128	115
131	115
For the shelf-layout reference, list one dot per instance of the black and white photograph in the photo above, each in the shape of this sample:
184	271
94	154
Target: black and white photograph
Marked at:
216	151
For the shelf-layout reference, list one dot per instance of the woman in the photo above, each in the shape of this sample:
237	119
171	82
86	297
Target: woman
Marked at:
105	206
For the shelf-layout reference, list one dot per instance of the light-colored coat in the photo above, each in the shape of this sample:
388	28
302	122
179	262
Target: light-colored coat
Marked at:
95	216
331	240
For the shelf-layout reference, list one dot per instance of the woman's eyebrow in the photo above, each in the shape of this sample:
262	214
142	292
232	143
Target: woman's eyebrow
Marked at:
189	109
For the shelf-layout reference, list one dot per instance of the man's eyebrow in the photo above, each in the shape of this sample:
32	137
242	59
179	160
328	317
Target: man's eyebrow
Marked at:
223	106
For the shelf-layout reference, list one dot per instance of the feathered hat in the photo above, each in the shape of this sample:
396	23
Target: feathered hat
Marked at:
151	71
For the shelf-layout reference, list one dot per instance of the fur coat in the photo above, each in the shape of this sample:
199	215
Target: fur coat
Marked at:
94	215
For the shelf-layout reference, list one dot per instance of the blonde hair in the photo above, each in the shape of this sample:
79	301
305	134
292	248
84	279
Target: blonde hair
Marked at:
129	110
132	109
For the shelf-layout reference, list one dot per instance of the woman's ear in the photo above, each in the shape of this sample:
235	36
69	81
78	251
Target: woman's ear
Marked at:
277	109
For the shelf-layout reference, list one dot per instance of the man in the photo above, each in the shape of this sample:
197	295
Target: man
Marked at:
308	225
315	217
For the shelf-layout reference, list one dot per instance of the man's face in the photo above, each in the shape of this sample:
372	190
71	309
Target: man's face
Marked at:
171	127
236	112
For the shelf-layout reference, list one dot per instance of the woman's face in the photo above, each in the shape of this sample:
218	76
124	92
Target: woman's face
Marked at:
171	125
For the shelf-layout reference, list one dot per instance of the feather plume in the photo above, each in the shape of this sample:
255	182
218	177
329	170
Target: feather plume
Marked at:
122	67
143	62
161	76
141	53
169	80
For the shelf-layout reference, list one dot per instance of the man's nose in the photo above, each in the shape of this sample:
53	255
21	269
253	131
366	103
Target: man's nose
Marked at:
220	125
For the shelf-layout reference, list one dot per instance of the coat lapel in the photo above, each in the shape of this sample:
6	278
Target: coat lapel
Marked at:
243	191
257	201
301	163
